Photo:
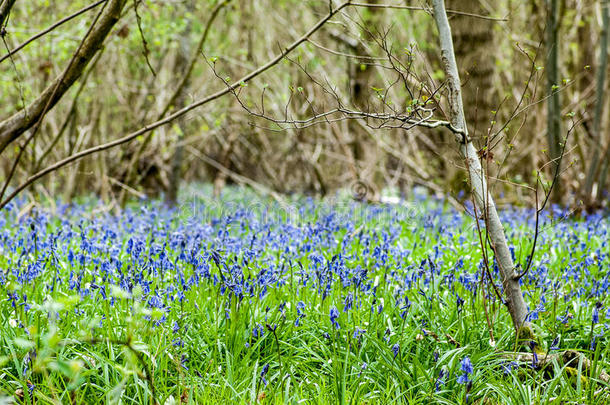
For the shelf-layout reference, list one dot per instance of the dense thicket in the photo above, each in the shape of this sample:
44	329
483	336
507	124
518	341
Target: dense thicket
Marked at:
134	79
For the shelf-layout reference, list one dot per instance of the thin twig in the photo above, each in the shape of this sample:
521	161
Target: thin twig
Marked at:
427	9
51	28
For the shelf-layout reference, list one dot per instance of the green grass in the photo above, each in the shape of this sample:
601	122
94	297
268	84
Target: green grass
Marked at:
72	345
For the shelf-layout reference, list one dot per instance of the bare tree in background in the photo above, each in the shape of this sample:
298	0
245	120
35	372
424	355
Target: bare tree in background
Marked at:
180	65
553	83
361	71
598	162
300	167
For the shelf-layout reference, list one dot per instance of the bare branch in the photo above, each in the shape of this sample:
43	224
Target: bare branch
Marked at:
48	104
12	127
427	9
540	208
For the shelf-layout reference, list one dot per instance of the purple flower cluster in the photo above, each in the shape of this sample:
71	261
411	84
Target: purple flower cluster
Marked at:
351	270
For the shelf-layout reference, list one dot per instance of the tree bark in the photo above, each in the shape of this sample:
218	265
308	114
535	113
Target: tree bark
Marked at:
473	40
362	71
483	200
181	65
12	127
5	9
553	102
594	162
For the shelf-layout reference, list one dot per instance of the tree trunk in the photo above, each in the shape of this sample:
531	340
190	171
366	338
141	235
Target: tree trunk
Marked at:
483	200
360	71
553	101
594	162
181	65
474	47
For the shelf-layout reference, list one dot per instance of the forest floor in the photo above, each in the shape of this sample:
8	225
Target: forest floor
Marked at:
252	300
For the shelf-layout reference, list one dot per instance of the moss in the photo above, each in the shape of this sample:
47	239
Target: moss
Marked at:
525	335
573	374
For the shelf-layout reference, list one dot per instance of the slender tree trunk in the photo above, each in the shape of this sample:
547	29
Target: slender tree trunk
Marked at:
553	102
473	40
601	187
594	163
360	72
181	65
483	200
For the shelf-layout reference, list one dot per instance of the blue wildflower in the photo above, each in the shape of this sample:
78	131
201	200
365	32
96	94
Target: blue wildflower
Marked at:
300	313
555	344
596	309
532	345
264	373
466	367
440	380
364	367
334	314
358	332
508	367
396	349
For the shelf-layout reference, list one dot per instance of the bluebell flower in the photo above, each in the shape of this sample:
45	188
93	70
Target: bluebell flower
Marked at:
532	345
595	318
507	367
183	360
334	314
440	380
258	331
463	379
300	307
358	332
264	373
348	302
300	313
396	349
459	303
555	344
467	369
362	368
466	365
